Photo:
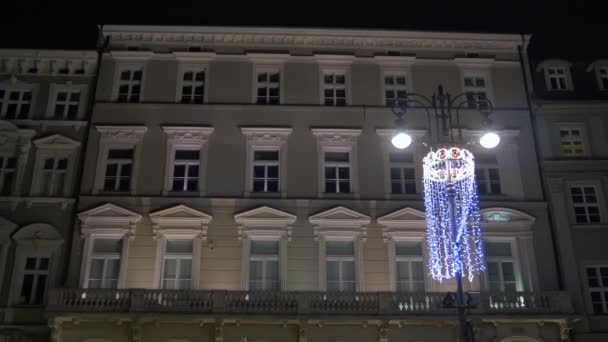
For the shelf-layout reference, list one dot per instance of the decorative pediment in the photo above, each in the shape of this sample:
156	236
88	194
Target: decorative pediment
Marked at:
37	231
266	134
108	219
406	222
340	221
56	141
264	221
503	217
121	133
180	220
197	135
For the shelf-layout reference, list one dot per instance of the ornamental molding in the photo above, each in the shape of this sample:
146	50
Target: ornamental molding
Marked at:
286	38
56	141
180	220
266	134
121	133
198	135
336	135
553	63
501	217
389	132
265	221
474	63
108	219
48	62
194	57
268	58
340	222
395	61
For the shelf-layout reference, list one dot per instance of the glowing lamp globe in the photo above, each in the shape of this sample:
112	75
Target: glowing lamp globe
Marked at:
401	140
489	140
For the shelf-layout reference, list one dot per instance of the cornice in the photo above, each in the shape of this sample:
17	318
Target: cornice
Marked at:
336	134
184	133
121	132
474	63
48	62
266	134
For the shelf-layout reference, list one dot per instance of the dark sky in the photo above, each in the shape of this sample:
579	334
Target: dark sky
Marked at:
571	29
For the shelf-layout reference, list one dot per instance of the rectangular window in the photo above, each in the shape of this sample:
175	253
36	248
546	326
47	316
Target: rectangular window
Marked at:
193	86
67	104
265	171
597	281
340	266
264	265
337	172
53	178
334	88
571	140
488	181
395	87
402	173
129	85
268	86
8	168
104	267
557	78
475	86
585	203
501	271
177	264
35	276
118	170
603	78
410	269
15	103
186	170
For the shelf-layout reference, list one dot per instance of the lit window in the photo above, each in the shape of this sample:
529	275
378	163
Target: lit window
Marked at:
410	269
395	87
67	104
104	264
129	85
264	265
265	171
15	103
334	88
557	78
268	86
186	170
476	88
193	85
402	173
597	281
118	170
54	176
177	264
571	140
585	203
8	167
35	275
340	266
337	172
501	267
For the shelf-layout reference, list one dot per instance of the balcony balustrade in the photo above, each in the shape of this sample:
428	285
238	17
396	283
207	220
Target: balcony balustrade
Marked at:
299	303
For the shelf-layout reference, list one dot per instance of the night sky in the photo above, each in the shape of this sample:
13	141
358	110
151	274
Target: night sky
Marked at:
569	29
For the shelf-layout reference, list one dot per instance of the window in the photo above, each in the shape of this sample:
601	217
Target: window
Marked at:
130	84
402	173
476	88
340	266
268	86
602	74
193	85
597	281
395	87
501	267
571	140
557	78
35	275
186	170
265	171
8	168
264	265
337	172
15	103
177	264
54	176
334	88
104	267
487	175
409	268
67	104
585	203
118	170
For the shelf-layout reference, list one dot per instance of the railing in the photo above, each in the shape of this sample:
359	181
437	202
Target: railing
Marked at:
300	303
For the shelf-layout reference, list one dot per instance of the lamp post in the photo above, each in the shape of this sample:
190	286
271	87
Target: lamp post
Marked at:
450	191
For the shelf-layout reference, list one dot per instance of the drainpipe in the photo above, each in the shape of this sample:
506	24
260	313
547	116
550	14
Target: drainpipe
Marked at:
540	166
102	43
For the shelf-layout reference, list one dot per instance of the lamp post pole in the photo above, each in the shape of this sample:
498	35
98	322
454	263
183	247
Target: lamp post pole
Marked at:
462	319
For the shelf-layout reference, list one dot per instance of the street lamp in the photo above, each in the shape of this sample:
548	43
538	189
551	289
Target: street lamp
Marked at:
450	189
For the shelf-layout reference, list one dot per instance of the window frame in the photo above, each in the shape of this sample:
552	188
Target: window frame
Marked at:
356	258
394	259
4	170
485	167
90	256
179	256
68	87
581	127
514	258
602	212
553	64
184	67
57	147
121	66
478	73
589	289
13	84
280	258
268	68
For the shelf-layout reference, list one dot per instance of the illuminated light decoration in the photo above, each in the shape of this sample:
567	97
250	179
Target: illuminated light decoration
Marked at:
451	172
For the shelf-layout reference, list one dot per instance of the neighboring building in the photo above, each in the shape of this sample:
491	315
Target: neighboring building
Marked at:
43	105
571	107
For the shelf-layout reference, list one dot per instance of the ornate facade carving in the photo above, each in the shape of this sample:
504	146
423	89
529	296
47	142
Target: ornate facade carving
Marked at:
19	62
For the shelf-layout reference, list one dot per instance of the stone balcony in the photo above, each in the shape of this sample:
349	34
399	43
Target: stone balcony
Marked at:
217	302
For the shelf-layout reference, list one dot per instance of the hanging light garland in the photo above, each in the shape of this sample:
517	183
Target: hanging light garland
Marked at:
450	172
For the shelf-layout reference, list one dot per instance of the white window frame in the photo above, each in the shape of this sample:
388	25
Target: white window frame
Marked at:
91	255
17	144
485	166
343	70
514	258
186	138
268	68
337	140
178	256
280	258
121	66
55	146
69	88
602	289
545	66
13	84
265	139
356	258
478	73
395	72
601	202
191	67
118	137
583	138
394	259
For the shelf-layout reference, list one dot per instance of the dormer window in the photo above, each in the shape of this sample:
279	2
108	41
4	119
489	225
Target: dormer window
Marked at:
601	73
557	75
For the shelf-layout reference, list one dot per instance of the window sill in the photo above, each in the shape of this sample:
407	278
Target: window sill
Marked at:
264	194
183	194
349	195
583	226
